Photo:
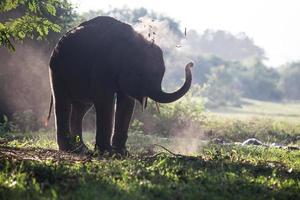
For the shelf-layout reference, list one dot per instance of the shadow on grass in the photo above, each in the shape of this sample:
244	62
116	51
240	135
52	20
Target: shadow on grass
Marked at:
34	180
141	177
224	179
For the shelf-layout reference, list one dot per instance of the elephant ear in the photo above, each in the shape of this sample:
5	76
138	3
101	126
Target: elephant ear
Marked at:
130	82
131	75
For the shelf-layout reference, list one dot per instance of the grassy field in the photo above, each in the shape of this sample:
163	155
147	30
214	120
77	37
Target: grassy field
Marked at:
267	121
190	167
32	168
289	111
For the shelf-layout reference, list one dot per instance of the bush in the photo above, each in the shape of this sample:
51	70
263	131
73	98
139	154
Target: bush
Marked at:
26	121
223	88
290	81
236	130
172	119
227	83
6	126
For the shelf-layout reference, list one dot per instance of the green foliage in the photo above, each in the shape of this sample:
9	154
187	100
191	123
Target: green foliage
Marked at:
136	126
215	172
264	129
229	81
290	81
187	109
33	6
204	67
6	126
260	82
19	29
174	116
223	87
26	121
187	118
27	68
33	20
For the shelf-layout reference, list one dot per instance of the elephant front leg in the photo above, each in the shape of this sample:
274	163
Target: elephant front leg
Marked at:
125	107
104	122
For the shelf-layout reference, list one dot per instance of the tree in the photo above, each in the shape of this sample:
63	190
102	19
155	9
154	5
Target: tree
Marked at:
24	73
261	83
223	87
290	81
226	45
28	19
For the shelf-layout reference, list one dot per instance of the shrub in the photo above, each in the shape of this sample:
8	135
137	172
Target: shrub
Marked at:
173	117
6	126
26	121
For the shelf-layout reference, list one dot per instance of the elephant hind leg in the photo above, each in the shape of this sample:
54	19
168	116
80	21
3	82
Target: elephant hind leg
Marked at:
77	115
62	115
62	108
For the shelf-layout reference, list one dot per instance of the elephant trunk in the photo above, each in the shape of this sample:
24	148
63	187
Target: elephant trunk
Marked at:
163	97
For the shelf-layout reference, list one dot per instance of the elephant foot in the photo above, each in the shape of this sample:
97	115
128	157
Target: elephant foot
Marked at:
77	148
64	146
81	149
103	151
123	152
111	152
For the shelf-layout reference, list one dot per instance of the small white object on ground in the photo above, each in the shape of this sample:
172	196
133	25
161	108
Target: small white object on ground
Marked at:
252	141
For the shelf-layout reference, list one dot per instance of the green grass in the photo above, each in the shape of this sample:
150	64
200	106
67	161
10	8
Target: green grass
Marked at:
289	111
28	171
267	121
31	167
268	130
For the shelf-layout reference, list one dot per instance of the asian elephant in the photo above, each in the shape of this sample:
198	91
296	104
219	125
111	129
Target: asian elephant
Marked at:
97	63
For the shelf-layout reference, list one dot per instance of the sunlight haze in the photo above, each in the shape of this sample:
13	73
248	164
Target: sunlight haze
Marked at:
273	25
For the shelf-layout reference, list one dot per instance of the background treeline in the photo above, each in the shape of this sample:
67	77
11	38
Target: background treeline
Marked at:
228	68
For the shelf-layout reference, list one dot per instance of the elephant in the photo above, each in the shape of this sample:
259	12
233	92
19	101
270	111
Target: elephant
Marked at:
105	63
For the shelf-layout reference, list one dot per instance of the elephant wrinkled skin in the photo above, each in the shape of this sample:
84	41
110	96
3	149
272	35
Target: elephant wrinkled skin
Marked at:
97	63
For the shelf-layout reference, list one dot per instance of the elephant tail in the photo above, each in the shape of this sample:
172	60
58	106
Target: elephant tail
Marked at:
49	114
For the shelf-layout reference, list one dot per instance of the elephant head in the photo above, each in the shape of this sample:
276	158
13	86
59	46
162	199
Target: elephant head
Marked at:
143	76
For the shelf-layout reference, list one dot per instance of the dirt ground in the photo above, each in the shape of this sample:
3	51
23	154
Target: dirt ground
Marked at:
40	155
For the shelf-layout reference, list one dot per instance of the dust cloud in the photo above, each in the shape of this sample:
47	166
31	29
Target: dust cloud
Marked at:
177	51
24	80
187	138
190	139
